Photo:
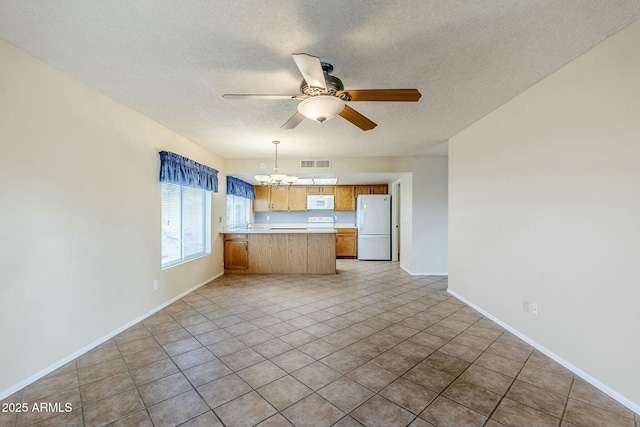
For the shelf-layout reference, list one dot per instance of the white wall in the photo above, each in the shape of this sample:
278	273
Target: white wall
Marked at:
80	217
544	204
428	207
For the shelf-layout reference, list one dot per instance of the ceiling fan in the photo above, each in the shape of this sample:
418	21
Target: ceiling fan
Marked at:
323	95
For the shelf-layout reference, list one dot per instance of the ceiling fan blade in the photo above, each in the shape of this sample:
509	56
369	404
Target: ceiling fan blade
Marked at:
293	121
311	69
356	118
262	96
391	95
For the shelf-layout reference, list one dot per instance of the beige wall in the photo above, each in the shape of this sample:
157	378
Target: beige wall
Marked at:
80	217
544	205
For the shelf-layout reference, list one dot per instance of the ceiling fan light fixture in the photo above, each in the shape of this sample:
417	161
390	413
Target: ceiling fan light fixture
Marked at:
321	107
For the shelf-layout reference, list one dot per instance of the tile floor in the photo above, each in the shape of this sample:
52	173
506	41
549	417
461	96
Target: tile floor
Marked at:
369	346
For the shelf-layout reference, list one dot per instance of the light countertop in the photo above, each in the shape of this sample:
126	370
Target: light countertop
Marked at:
279	230
345	225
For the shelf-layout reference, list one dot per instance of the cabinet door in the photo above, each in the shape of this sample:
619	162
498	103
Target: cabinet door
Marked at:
297	198
280	199
326	189
313	190
262	203
363	189
379	189
345	199
346	243
236	254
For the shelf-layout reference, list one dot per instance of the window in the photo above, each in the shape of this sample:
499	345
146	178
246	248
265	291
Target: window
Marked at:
238	211
186	223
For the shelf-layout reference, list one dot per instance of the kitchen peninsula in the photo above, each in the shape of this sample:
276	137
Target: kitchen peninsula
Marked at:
273	250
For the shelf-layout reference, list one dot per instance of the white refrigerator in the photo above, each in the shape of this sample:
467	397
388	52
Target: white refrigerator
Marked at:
373	219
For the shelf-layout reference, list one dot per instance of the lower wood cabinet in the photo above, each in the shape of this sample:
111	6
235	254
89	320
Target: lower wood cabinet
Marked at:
280	253
236	252
346	243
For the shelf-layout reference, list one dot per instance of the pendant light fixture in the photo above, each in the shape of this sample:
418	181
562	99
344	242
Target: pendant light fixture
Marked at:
276	179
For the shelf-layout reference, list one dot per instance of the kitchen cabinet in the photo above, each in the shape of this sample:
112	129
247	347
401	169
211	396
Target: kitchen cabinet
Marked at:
324	190
294	198
372	189
344	198
298	198
380	189
236	252
280	199
280	252
262	202
363	189
346	243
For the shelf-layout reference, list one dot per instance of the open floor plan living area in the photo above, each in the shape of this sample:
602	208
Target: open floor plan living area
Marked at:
341	213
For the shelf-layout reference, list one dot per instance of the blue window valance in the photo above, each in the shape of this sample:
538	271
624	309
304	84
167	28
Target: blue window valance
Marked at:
238	187
176	169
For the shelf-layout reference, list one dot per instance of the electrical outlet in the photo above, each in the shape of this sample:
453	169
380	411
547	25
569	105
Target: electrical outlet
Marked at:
525	305
534	309
155	285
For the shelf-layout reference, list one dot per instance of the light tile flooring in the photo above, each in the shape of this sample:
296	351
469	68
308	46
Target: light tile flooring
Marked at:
369	346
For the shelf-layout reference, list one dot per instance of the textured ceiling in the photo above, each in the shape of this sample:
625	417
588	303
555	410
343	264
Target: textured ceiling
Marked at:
172	61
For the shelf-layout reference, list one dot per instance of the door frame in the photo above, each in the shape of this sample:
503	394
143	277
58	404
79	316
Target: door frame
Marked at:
396	196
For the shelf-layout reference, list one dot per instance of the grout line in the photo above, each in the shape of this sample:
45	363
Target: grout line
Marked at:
510	385
566	403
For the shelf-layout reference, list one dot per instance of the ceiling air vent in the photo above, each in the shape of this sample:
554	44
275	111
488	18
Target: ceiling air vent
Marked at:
306	164
315	164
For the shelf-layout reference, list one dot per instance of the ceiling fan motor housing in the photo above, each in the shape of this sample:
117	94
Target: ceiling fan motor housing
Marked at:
333	83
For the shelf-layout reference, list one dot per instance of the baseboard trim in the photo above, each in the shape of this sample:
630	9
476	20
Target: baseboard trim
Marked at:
405	269
33	378
423	274
588	378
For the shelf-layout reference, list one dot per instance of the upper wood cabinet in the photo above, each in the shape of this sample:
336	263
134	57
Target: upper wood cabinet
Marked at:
380	189
297	198
280	199
294	198
320	189
345	198
363	189
262	203
372	189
